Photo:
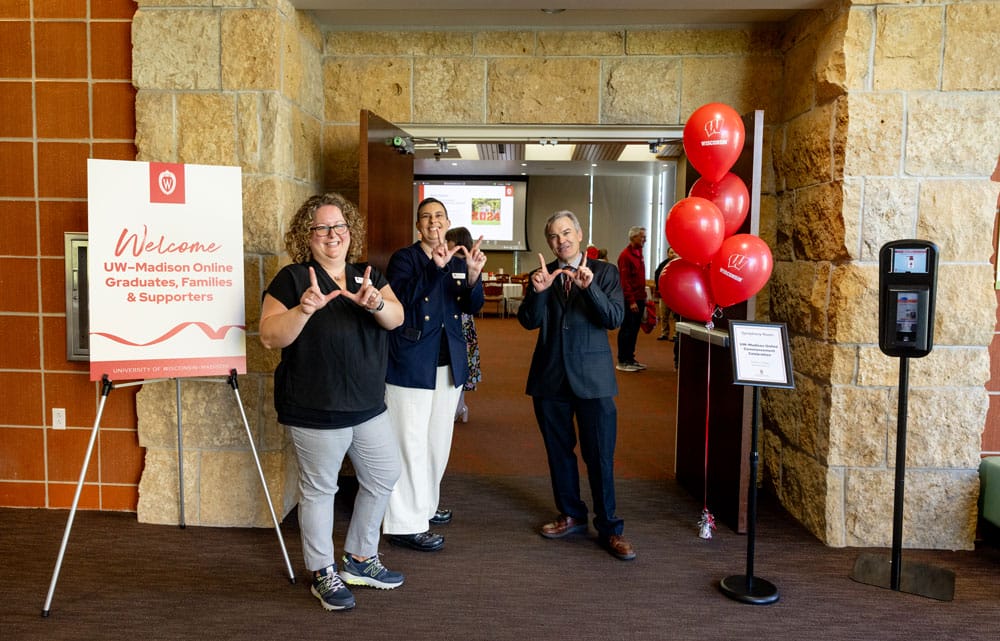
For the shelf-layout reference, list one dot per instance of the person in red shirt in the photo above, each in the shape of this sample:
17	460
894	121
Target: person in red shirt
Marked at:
632	271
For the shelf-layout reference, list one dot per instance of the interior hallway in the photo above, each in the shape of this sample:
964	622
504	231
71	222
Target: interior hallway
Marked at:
501	437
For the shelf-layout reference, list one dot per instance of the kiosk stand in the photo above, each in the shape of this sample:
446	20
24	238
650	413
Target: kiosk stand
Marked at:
106	387
907	284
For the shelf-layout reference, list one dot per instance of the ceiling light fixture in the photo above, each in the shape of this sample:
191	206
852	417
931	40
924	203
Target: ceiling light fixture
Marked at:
552	12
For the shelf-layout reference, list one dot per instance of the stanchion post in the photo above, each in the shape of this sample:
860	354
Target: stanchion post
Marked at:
747	588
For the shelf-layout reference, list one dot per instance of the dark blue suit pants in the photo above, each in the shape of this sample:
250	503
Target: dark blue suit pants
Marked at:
597	419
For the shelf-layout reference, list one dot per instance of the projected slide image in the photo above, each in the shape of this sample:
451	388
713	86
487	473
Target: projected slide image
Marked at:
486	211
494	210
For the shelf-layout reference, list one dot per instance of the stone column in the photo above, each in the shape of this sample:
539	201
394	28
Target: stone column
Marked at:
875	148
229	86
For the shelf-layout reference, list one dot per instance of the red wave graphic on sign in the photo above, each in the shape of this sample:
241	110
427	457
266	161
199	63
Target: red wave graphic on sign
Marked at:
214	334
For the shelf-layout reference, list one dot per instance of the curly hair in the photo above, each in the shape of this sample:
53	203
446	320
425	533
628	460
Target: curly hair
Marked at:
298	235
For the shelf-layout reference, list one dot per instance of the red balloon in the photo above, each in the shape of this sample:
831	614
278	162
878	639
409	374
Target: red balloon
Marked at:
730	195
684	288
740	269
695	229
713	139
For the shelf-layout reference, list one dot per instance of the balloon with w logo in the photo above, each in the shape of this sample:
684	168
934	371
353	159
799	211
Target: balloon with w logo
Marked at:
739	269
713	139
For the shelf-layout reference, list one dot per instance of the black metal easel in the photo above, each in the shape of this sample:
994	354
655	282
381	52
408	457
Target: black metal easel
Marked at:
106	387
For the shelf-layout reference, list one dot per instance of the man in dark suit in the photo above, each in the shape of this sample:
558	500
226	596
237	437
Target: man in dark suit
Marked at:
573	302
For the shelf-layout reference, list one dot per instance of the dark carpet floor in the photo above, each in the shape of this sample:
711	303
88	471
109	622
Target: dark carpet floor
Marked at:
496	579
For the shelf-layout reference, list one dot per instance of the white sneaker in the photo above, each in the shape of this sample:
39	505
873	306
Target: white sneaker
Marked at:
626	367
637	365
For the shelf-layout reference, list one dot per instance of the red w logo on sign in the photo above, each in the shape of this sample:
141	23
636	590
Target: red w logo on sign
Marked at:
166	183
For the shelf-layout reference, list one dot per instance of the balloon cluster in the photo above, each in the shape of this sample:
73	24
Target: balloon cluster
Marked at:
716	266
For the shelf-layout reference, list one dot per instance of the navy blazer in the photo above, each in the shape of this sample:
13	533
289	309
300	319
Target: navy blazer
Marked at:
433	302
573	334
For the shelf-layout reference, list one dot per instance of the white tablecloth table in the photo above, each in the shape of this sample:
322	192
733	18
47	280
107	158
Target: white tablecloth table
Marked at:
512	295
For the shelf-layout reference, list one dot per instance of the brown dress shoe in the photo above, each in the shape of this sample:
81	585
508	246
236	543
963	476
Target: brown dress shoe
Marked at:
619	547
562	526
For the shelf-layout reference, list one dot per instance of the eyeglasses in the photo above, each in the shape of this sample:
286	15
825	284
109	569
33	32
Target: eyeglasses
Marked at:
324	230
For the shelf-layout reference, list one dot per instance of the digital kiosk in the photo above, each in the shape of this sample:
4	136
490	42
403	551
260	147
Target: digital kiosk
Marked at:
907	286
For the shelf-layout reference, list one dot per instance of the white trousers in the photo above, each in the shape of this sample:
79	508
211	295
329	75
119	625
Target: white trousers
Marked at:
372	448
424	421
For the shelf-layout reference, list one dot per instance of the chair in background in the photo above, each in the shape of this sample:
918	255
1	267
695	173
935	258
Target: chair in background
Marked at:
493	299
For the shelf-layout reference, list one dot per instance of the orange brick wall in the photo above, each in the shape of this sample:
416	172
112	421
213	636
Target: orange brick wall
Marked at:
66	95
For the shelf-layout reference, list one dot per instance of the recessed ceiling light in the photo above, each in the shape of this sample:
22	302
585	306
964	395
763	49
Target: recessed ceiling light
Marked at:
552	11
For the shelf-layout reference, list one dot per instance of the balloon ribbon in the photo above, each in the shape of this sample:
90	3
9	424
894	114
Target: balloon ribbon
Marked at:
707	522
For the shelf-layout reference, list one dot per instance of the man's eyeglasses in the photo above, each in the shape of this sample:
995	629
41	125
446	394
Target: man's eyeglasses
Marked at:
324	230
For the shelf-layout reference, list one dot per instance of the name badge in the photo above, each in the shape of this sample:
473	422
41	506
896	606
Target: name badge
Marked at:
360	280
458	275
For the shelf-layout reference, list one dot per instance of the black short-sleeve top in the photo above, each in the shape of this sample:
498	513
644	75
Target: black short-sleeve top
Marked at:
333	374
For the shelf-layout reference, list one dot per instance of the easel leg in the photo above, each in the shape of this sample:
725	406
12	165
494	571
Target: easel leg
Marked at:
105	390
260	472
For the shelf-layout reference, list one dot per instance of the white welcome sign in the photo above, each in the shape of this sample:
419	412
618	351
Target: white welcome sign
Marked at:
165	267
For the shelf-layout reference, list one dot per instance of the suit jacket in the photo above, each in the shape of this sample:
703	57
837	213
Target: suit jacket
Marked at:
433	302
573	334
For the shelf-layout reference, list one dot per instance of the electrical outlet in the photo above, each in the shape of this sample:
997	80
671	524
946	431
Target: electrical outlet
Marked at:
58	418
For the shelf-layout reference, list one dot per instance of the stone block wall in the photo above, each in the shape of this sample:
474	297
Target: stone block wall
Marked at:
229	83
611	77
888	135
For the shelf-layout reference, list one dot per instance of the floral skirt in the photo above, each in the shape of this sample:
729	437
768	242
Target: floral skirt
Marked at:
472	352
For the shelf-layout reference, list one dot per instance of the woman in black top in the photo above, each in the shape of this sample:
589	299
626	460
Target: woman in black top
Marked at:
330	316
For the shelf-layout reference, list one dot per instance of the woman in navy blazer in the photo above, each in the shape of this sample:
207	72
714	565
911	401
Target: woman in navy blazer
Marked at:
427	368
573	302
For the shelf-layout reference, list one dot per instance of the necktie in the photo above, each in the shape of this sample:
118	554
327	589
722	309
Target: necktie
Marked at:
567	282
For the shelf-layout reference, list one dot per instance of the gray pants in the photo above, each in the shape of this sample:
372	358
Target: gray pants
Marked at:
375	455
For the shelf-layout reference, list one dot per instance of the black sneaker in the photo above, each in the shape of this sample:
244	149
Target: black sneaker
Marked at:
330	590
369	572
423	541
441	517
